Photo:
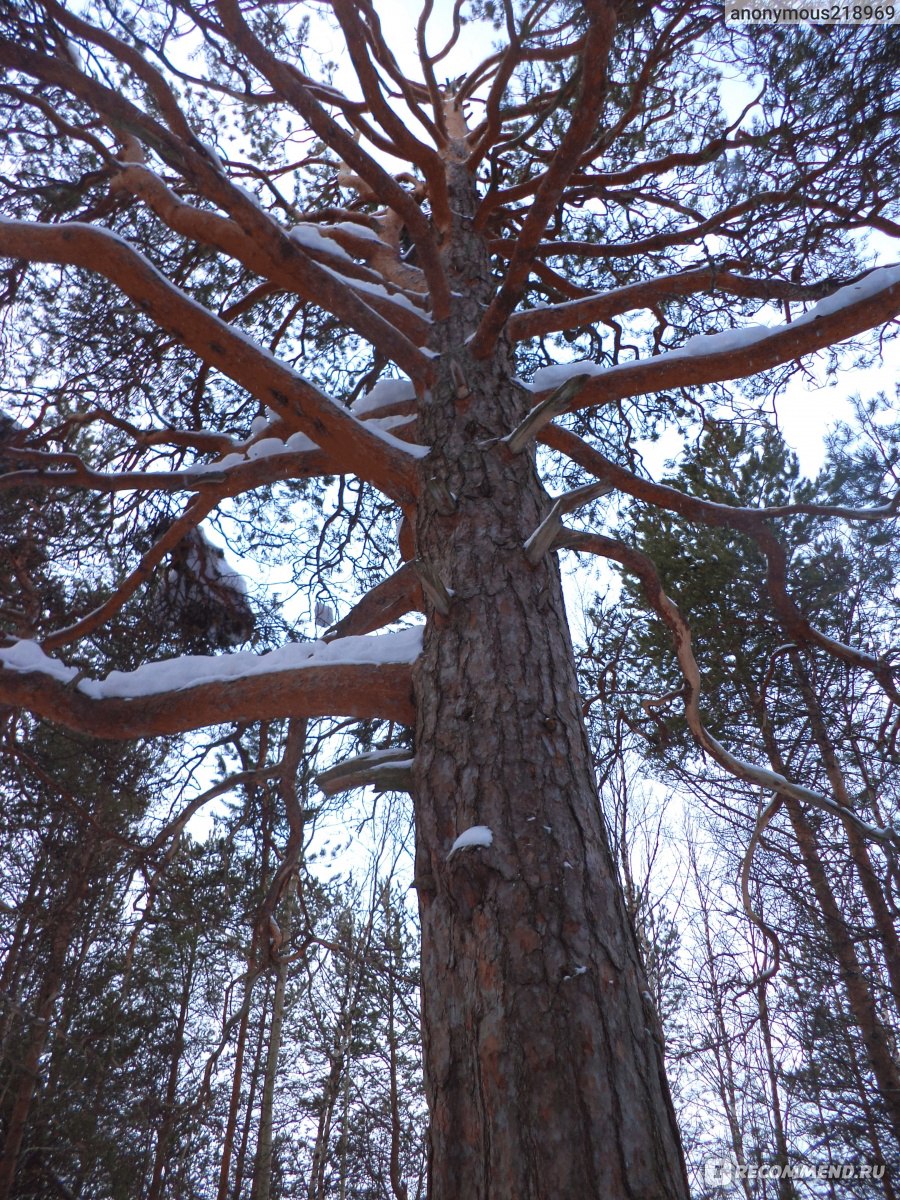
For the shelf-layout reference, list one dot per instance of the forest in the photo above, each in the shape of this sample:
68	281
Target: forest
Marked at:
449	602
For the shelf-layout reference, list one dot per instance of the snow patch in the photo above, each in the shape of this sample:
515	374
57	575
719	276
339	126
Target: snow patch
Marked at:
385	392
476	835
190	670
311	238
28	656
360	231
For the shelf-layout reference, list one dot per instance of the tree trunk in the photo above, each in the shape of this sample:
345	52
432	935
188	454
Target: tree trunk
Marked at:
786	1188
262	1170
543	1064
875	1035
240	1049
859	850
61	938
167	1125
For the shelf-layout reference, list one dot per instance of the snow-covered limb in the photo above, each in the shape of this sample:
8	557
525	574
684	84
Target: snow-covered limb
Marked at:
252	237
230	477
644	567
371	454
601	306
736	353
387	770
357	677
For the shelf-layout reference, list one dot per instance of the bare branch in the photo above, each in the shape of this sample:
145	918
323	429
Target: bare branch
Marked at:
385	770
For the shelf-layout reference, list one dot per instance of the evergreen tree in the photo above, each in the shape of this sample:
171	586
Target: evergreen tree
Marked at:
333	321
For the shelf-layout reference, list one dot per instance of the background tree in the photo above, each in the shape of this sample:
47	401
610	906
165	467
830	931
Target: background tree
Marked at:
264	296
826	892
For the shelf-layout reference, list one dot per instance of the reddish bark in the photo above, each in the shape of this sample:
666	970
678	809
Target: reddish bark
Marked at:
543	1064
357	690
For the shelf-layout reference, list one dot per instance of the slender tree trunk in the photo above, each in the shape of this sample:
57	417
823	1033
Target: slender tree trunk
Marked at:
61	938
398	1185
262	1169
723	1042
164	1133
234	1103
859	850
786	1188
543	1071
241	1160
859	995
870	1117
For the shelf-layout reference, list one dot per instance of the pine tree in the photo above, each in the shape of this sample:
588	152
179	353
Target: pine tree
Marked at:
269	298
825	891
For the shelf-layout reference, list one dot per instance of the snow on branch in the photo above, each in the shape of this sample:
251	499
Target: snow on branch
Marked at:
601	306
355	676
371	453
735	353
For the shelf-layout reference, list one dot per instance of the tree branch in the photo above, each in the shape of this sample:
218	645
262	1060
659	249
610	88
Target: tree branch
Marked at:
344	438
583	123
734	354
602	305
299	680
645	569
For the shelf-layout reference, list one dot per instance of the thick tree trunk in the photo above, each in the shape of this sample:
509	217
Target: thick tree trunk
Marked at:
543	1063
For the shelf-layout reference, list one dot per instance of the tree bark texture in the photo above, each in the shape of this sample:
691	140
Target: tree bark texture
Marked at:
543	1057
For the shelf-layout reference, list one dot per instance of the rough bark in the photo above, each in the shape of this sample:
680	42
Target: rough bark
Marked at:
543	1062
